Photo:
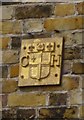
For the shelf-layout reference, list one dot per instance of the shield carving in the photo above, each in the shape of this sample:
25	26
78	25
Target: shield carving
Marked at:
39	65
40	61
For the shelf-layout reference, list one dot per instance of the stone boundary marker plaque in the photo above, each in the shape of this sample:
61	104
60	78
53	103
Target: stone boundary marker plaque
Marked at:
40	61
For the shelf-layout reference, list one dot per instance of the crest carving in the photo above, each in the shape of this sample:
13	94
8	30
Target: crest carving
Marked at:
40	61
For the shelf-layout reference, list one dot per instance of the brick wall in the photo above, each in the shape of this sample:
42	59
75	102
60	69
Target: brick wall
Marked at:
42	19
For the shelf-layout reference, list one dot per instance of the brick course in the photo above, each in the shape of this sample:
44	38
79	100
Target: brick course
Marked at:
26	99
70	23
58	113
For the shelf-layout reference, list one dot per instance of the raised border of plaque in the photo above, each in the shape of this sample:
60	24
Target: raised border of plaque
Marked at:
40	61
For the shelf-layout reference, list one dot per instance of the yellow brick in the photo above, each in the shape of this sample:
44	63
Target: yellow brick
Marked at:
4	42
71	113
18	99
63	23
34	25
64	9
10	56
9	86
14	70
80	8
9	27
70	82
82	112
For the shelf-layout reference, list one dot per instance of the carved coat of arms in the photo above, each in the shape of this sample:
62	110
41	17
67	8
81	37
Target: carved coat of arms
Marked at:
38	62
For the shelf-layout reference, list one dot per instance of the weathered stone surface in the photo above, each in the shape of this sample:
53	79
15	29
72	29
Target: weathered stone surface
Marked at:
35	25
33	11
78	68
18	99
25	114
69	23
58	99
10	56
9	86
14	70
64	9
58	113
